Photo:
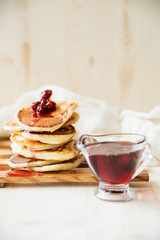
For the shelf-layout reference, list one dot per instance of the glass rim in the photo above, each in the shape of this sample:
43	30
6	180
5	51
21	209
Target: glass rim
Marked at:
111	134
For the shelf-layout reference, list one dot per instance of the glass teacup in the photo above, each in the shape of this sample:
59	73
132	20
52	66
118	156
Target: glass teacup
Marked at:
115	159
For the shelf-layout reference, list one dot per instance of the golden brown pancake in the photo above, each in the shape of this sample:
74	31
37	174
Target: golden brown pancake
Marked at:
18	161
13	125
41	140
60	136
31	144
72	120
63	153
29	120
60	166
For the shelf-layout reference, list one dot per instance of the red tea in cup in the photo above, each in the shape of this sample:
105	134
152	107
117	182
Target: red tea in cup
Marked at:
118	165
115	159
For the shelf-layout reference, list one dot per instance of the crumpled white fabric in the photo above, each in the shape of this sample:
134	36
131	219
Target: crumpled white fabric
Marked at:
147	124
96	117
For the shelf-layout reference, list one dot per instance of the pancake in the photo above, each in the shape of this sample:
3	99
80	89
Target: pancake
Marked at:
13	125
18	161
72	120
61	166
30	121
60	136
31	144
63	153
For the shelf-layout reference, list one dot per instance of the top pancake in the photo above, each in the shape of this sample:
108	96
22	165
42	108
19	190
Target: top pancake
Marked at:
13	125
46	122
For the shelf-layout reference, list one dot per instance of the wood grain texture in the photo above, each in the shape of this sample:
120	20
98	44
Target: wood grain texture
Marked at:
82	174
99	48
127	63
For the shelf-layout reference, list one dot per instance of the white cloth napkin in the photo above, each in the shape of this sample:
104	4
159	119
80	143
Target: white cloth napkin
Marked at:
147	124
96	117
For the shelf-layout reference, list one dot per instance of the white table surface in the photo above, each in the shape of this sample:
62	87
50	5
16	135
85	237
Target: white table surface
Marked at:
72	212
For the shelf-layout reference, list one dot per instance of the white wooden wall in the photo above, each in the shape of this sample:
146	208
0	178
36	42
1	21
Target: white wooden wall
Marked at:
107	49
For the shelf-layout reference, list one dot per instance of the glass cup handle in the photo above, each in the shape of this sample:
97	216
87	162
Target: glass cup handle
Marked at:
145	159
85	139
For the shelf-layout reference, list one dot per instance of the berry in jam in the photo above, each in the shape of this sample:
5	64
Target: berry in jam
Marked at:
45	105
42	109
51	105
46	94
35	105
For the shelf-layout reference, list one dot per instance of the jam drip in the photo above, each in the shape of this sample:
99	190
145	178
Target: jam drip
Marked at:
73	171
22	173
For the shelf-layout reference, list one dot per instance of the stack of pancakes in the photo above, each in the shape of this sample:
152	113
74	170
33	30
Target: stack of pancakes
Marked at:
45	142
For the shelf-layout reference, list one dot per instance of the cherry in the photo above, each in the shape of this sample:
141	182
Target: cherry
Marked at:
42	109
46	94
51	106
35	105
44	105
44	102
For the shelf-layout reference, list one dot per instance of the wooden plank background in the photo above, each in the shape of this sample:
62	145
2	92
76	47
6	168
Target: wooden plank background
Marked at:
105	49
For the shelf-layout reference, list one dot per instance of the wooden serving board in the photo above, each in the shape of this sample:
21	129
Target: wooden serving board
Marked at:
81	174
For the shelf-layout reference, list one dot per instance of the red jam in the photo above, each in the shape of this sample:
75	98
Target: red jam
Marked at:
46	94
116	167
22	173
45	105
39	174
